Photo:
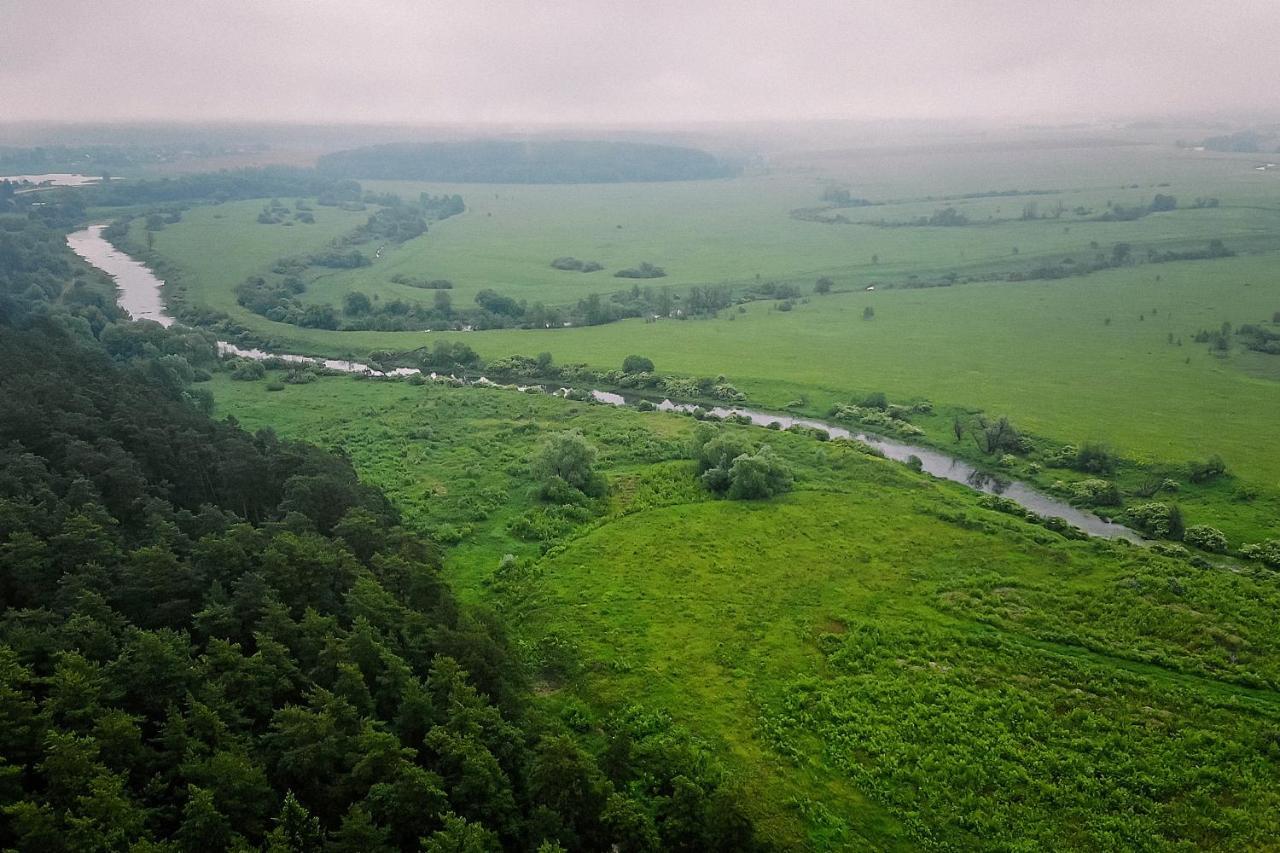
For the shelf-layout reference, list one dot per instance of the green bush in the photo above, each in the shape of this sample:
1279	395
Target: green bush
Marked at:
568	458
637	364
1095	492
1157	519
1267	552
248	370
759	475
1208	470
1206	538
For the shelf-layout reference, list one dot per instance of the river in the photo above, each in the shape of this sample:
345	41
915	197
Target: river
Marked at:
140	298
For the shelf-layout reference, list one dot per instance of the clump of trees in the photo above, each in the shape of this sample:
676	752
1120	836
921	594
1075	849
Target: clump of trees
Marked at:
422	283
572	264
840	196
211	639
1207	470
730	465
637	364
445	355
643	270
997	436
565	468
823	285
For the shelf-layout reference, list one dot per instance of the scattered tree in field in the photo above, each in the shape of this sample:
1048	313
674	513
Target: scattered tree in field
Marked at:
868	313
727	465
875	400
997	436
957	429
443	303
759	475
823	285
637	364
355	304
1094	458
567	458
644	270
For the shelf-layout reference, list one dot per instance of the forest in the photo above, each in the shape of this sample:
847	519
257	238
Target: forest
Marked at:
217	639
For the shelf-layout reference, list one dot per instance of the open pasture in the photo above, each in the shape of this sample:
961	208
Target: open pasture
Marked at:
1107	356
856	650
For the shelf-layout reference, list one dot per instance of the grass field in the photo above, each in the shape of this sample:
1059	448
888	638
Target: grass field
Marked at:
1072	359
883	663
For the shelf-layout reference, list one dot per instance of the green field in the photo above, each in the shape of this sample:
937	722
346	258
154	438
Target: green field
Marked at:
883	662
1076	358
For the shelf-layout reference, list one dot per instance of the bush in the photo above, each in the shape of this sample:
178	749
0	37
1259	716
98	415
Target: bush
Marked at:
1157	519
1208	470
248	370
568	458
759	475
727	465
1094	458
644	270
275	386
637	364
1206	538
875	400
823	285
1095	492
1266	552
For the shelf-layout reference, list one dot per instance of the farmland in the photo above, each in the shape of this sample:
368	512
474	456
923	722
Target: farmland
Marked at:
1106	356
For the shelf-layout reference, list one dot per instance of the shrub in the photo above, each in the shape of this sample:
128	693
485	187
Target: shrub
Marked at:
1095	492
1208	470
759	475
275	385
823	285
567	458
1094	458
644	270
1157	519
875	400
248	370
1267	552
1206	538
637	364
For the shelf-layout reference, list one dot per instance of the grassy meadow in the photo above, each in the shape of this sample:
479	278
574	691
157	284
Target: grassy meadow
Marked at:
1107	356
883	662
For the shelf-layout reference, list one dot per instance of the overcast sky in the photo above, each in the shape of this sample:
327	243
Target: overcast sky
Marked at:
577	61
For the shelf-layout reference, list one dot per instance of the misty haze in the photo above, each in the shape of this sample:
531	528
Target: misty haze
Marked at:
620	426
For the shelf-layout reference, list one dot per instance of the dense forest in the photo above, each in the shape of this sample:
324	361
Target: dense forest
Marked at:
213	640
530	162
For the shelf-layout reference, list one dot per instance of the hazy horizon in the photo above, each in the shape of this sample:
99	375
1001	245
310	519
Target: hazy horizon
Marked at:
622	63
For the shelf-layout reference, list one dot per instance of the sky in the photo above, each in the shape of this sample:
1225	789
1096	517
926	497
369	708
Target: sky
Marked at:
646	61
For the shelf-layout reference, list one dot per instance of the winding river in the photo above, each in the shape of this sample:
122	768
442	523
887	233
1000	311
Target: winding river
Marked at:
140	298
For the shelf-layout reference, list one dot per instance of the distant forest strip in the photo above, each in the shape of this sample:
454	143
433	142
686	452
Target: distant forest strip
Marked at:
514	162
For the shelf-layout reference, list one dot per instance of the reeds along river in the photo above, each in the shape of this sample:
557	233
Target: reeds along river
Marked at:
140	297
